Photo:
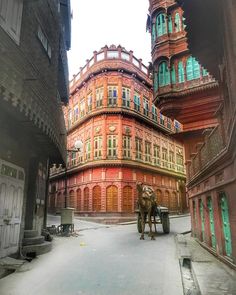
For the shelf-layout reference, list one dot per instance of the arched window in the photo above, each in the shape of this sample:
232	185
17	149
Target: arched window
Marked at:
155	81
173	75
153	33
163	74
170	27
177	23
192	69
161	24
204	72
181	72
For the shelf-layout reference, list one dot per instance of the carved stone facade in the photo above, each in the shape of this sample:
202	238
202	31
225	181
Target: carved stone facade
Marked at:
125	140
211	179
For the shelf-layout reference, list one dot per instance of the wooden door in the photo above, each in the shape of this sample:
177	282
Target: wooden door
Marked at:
165	200
173	202
202	215
212	223
112	199
72	199
159	197
97	198
12	180
86	199
127	199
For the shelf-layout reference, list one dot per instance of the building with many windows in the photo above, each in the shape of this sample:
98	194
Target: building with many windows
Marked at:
183	88
125	140
35	36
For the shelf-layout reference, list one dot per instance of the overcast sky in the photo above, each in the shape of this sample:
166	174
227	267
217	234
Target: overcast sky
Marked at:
104	22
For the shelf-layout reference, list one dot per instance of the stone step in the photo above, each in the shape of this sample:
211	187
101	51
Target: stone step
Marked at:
38	249
33	241
30	233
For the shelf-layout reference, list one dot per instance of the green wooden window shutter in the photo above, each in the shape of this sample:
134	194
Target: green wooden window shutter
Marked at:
196	69
226	224
170	27
177	22
173	76
189	68
181	72
153	33
155	81
161	24
163	74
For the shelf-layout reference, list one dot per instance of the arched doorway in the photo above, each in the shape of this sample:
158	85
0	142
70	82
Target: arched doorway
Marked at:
173	201
72	199
159	197
60	201
127	199
112	199
165	201
86	199
78	196
97	198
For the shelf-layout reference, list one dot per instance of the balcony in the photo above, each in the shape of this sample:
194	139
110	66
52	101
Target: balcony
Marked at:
208	152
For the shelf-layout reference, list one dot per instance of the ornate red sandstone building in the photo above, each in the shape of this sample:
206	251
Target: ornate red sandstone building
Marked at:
185	90
125	140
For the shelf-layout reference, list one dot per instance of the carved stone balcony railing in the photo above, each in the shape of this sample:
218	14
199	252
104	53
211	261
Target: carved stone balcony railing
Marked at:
156	4
106	57
186	86
210	149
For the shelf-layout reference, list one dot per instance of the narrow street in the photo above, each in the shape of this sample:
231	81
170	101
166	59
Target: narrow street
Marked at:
103	260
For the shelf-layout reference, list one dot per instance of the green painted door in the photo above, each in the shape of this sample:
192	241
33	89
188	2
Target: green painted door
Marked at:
212	224
202	220
226	224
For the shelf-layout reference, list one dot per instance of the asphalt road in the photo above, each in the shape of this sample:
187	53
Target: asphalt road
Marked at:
103	260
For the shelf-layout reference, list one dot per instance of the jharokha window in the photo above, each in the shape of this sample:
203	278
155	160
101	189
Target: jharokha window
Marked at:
89	102
97	147
138	146
137	101
125	97
87	150
112	146
147	152
99	97
127	147
112	95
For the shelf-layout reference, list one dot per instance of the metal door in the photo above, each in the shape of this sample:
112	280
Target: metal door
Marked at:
202	219
226	224
212	224
12	180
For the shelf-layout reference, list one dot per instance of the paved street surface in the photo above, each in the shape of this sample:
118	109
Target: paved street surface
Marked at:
103	260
